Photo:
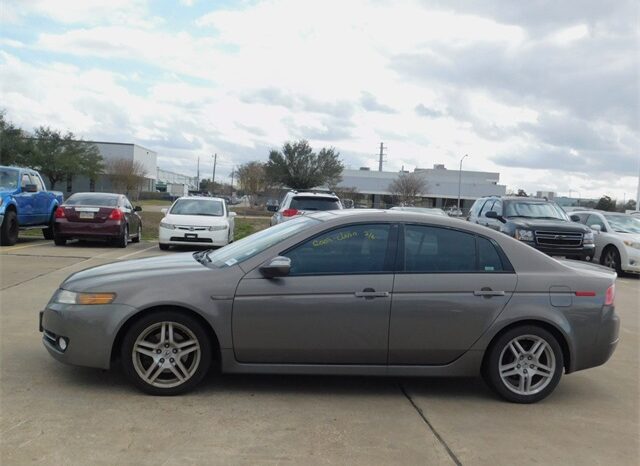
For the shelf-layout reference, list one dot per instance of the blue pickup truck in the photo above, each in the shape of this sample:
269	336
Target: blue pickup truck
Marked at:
25	203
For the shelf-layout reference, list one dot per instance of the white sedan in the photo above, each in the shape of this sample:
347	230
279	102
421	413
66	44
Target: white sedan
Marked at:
199	221
617	238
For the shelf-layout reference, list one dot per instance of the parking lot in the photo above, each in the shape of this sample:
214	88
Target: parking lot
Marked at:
56	414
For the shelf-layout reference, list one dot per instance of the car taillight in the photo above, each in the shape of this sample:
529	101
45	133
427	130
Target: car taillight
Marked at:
60	213
116	214
290	212
610	295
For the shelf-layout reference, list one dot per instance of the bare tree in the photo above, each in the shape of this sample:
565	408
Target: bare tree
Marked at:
408	187
126	176
252	179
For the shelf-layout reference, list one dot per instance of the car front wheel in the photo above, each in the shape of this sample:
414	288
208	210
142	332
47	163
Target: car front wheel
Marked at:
524	365
611	258
166	353
9	229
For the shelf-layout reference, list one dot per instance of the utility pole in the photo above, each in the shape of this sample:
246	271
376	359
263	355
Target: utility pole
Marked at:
198	175
460	179
380	162
233	171
213	175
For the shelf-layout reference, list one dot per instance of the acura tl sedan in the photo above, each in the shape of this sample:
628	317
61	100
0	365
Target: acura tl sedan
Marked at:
361	292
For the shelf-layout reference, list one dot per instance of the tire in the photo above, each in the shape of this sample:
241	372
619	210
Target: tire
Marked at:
59	240
138	237
48	232
123	240
157	373
9	229
164	247
610	257
508	374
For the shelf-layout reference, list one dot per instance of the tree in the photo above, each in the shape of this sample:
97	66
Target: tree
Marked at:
298	167
408	187
522	193
252	178
57	156
126	176
606	203
629	205
15	145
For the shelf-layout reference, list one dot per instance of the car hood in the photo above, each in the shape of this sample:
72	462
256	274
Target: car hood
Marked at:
635	237
107	277
194	220
557	225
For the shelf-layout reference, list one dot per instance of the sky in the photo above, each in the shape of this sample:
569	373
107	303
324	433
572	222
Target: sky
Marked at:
545	92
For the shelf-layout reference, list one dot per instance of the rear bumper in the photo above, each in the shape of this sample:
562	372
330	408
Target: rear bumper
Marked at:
599	351
107	229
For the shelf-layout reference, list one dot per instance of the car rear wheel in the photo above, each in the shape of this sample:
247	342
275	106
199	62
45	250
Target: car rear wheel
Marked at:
138	237
164	247
166	353
123	240
59	240
524	365
9	229
611	258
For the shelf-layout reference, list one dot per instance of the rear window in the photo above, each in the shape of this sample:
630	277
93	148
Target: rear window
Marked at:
92	199
314	203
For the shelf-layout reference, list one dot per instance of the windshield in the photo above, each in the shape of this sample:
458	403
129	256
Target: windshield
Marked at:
525	209
624	223
314	203
254	244
92	199
8	179
197	207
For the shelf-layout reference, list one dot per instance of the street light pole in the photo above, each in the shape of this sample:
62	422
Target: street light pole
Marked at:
460	178
213	175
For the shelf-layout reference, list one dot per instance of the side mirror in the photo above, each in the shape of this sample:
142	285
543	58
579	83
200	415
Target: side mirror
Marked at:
232	214
137	209
272	208
596	228
164	210
279	266
493	214
30	188
575	218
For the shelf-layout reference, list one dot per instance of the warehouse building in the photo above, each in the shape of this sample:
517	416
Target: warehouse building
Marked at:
441	186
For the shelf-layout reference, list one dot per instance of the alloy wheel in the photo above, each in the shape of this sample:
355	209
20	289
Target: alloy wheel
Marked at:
166	354
610	260
527	364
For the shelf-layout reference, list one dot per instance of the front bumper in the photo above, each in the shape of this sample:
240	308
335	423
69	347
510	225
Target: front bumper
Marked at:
89	332
196	238
580	252
631	260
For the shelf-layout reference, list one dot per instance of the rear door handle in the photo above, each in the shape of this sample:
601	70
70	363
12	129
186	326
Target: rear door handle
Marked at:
488	293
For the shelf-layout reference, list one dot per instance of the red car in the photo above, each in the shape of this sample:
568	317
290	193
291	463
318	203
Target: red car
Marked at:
97	216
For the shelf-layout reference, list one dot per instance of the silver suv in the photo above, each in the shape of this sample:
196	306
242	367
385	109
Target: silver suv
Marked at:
299	203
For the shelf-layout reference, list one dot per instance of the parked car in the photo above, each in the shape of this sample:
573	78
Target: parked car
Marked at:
199	221
300	203
617	239
25	203
539	223
365	292
98	216
454	212
422	210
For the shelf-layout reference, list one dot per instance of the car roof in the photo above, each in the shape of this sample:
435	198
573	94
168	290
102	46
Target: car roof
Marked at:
96	194
201	198
312	194
518	198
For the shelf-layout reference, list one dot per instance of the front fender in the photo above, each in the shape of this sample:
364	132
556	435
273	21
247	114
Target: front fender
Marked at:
6	202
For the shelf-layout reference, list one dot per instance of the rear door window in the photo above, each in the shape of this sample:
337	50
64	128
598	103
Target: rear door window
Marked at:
314	203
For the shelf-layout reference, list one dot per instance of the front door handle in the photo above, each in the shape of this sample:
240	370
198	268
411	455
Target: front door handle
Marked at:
370	293
488	292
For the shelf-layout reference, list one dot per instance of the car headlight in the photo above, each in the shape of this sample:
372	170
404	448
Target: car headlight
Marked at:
167	226
524	235
71	297
631	244
588	238
218	227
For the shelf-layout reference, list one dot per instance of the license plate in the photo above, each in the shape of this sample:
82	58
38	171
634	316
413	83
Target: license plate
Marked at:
191	235
85	214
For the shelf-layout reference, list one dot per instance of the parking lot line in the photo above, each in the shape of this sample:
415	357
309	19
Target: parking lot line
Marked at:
137	252
15	248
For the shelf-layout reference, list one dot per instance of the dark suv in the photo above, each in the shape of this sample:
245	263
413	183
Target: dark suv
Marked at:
537	222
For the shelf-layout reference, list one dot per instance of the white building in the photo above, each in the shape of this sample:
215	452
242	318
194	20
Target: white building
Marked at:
441	189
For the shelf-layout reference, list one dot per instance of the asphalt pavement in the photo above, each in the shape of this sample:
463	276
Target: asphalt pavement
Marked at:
56	414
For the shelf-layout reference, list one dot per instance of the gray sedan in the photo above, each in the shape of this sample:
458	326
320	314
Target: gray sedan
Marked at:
343	292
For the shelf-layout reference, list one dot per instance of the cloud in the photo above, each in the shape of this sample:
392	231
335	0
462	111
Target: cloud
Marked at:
371	104
424	111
